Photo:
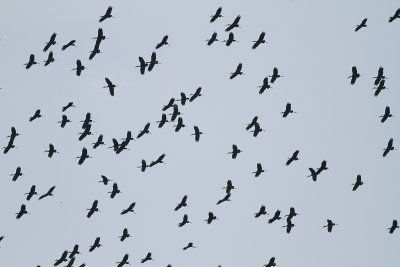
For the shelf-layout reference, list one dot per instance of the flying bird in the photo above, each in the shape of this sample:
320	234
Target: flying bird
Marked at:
389	147
259	41
275	75
235	151
170	104
104	180
197	133
262	211
288	110
231	39
379	77
110	86
74	251
271	262
212	39
293	157
381	86
107	15
216	15
358	183
257	130
147	258
292	213
237	72
98	142
361	25
393	227
195	95
69	105
189	245
182	203
31	192
158	161
144	131
184	221
62	258
322	168
354	75
164	41
162	121
51	151
153	61
224	199
95	245
70	43
36	115
17	174
79	67
51	42
64	121
50	58
234	24
252	123
210	218
48	193
180	124
142	65
259	170
143	165
123	261
93	209
395	16
129	209
115	191
313	174
84	155
386	115
21	212
31	61
124	235
275	217
264	86
330	225
183	99
229	186
289	225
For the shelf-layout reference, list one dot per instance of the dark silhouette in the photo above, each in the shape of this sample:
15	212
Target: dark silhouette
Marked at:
147	258
275	75
70	104
293	157
144	131
79	67
226	198
98	142
83	156
237	72
17	174
212	39
110	86
235	151
182	203
143	166
197	133
31	61
51	42
354	75
50	58
234	24
231	39
31	192
129	209
288	110
289	225
358	183
107	15
104	180
275	217
264	86
210	218
257	130
379	77
395	16
115	191
62	258
170	103
95	245
195	95
153	61
51	151
216	15
252	123
393	227
162	121
21	212
262	211
180	124
259	170
124	235
158	161
70	43
184	221
48	193
93	209
229	186
259	41
389	147
386	115
292	213
64	121
322	168
271	262
329	225
189	245
381	86
362	25
75	251
142	65
123	261
164	41
313	174
183	99
36	115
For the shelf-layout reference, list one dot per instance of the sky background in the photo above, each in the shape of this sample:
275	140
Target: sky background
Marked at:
314	46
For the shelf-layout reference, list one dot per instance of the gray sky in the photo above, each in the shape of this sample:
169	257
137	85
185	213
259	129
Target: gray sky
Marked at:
314	46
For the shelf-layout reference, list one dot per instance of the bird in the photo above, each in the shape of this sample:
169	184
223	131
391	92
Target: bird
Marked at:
252	123
293	157
98	142
275	75
225	198
380	87
31	192
184	221
50	58
257	130
143	165
170	104
71	262
216	15
395	16
79	67
322	168
262	211
115	191
51	42
235	151
231	39
358	182
197	133
74	251
292	213
289	225
164	41
93	209
212	39
123	261
62	258
313	174
64	121
144	131
17	174
13	133
182	203
21	212
237	72
147	258
95	245
36	115
96	49
69	105
153	61
70	43
361	25
86	132
87	121
229	186
234	24
271	262
129	209
51	151
275	217
110	86
264	86
84	155
393	227
288	110
329	225
189	245
259	41
158	160
380	76
124	235
210	218
183	99
107	15
259	170
48	193
175	112
180	124
354	75
104	180
162	121
196	94
9	146
386	115
389	147
142	65
31	61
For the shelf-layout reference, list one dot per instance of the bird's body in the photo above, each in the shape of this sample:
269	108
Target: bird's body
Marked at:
224	199
288	110
31	61
182	203
292	213
51	42
142	65
216	15
259	41
393	227
313	174
93	209
158	161
115	191
51	151
64	121
50	58
110	86
144	131
234	24
31	192
124	235
271	263
36	115
84	155
62	258
197	133
196	94
252	123
235	151
129	209
21	212
229	186
189	245
289	225
70	43
361	25
322	167
153	61
330	225
69	105
79	67
357	183
210	218
212	39
107	15
147	258
17	174
386	115
184	221
395	16
180	124
98	142
259	170
95	245
162	121
354	75
275	75
237	72
48	193
231	39
123	261
389	147
264	86
262	211
164	41
275	217
293	157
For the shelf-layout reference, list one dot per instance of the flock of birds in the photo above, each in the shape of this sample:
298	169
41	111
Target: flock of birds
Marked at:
118	147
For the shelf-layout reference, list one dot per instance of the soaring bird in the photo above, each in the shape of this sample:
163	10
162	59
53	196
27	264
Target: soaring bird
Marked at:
48	193
381	86
237	72
395	16
329	225
389	147
393	227
271	262
64	121
210	218
31	192
123	261
293	157
234	24
143	165
79	67
225	198
153	61
288	110
379	77
180	124
313	174
182	203
158	161
17	174
51	42
189	245
184	221
195	95
36	115
386	115
275	217
229	186
93	209
129	209
69	105
257	130
95	245
162	121
51	151
259	41
235	151
259	170
216	15
13	133
289	225
50	58
21	212
98	142
142	65
361	25
292	213
144	131
322	167
110	86
83	156
252	123
74	251
183	99
175	113
31	61
104	180
115	191
197	133
357	183
124	235
62	258
70	43
262	211
231	39
96	49
212	39
264	86
107	15
147	258
354	75
275	75
170	104
164	41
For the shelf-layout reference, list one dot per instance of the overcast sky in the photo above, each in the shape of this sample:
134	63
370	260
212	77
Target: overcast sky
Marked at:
314	46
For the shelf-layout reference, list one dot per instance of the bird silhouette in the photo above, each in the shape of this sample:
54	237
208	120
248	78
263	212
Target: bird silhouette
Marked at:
70	43
64	121
395	16
354	75
196	94
197	133
393	227
275	217
17	174
361	25
110	86
62	258
93	209
184	221
216	15
48	193
75	251
259	41
142	65
158	161
230	40
144	131
386	115
275	75
31	62
180	125
50	58
51	42
234	24
189	245
69	105
162	121
313	174
98	142
21	212
51	151
292	213
124	261
115	191
381	86
378	78
293	157
31	192
229	186
79	67
224	199
129	209
212	39
264	86
163	42
329	225
36	115
271	262
322	167
147	258
107	15
143	165
235	151
389	147
211	218
262	211
84	155
95	245
259	170
357	183
289	225
288	110
124	235
153	61
182	203
237	72
252	123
